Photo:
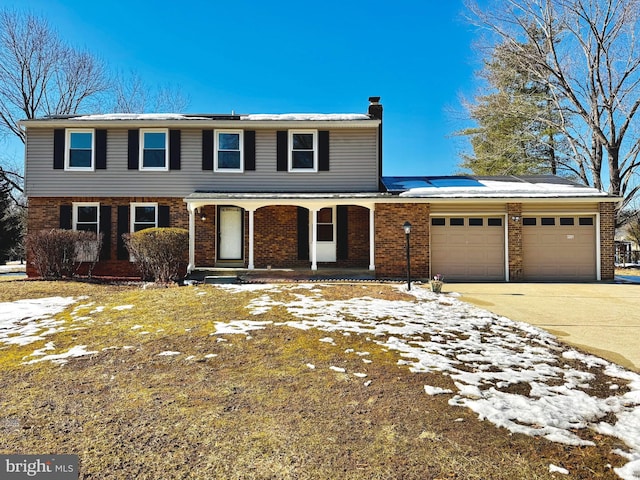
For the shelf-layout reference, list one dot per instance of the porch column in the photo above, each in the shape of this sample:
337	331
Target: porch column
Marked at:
251	265
192	239
372	238
314	239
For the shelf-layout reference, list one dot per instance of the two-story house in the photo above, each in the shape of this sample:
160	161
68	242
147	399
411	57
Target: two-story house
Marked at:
303	191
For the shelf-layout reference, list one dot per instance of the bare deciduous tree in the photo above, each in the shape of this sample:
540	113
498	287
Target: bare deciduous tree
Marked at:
588	56
132	95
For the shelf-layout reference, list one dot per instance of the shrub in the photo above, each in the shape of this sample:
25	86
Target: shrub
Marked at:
159	253
60	253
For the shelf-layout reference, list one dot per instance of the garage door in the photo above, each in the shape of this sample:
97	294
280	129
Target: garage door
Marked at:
559	248
468	248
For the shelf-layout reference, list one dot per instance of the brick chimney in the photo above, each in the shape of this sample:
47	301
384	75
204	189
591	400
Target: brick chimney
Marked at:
375	108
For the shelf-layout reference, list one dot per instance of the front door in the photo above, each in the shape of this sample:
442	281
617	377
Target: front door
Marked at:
326	235
230	233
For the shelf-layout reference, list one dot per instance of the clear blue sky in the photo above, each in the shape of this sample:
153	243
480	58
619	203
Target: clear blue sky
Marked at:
287	56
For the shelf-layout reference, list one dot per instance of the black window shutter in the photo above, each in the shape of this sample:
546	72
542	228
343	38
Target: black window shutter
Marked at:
174	149
58	149
303	233
101	149
342	249
282	153
133	149
323	150
163	216
105	229
123	227
65	217
250	150
207	150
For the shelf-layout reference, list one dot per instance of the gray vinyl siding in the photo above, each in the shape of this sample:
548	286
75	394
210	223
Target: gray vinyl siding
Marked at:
353	168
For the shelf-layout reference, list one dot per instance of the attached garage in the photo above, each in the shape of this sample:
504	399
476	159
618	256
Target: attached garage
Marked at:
559	247
468	248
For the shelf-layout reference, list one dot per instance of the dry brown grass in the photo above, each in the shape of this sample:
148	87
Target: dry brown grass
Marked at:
254	411
628	271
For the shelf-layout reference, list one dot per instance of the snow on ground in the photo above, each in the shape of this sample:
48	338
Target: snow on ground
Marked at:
488	357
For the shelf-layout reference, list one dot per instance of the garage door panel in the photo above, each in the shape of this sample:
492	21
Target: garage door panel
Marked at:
559	252
468	252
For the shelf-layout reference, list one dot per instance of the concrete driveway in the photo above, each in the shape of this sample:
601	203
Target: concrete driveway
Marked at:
601	318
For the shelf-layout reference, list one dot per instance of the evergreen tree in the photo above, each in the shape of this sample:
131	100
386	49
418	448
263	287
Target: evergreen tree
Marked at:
514	133
10	225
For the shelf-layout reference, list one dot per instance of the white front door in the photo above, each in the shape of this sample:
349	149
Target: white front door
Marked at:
230	233
326	230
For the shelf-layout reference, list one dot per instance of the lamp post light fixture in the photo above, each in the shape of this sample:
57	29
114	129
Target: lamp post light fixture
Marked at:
407	232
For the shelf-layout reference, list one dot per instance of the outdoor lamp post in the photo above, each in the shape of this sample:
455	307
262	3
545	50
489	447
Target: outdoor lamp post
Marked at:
407	232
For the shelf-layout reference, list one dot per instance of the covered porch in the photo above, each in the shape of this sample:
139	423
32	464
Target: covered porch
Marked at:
279	232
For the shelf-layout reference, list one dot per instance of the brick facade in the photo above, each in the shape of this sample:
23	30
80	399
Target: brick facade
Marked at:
514	235
607	240
390	242
44	214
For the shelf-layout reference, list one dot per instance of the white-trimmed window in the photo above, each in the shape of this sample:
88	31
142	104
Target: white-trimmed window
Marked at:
143	215
229	155
326	225
154	149
303	150
86	217
80	152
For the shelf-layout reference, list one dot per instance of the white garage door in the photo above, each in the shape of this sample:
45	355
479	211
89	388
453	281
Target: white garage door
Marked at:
468	248
559	248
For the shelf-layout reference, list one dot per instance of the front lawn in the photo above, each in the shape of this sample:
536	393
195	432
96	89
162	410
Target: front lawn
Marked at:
359	381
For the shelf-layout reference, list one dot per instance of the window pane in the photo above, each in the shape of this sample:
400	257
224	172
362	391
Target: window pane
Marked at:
141	226
303	141
438	221
87	227
566	221
229	160
81	140
87	214
302	159
325	215
586	221
80	158
529	221
494	222
154	140
547	221
229	141
476	222
456	222
325	233
154	158
145	215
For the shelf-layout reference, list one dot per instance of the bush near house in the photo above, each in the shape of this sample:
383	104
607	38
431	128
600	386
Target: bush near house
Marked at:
159	253
59	253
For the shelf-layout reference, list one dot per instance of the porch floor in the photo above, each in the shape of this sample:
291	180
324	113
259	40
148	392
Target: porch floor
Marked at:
243	275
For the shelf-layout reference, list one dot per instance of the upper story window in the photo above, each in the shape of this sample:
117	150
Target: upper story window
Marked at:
154	149
229	155
80	151
143	215
303	150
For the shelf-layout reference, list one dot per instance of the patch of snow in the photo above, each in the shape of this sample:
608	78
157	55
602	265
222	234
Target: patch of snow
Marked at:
328	340
238	327
555	469
296	117
360	375
168	353
429	390
135	116
211	355
337	369
26	321
311	366
62	358
123	307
